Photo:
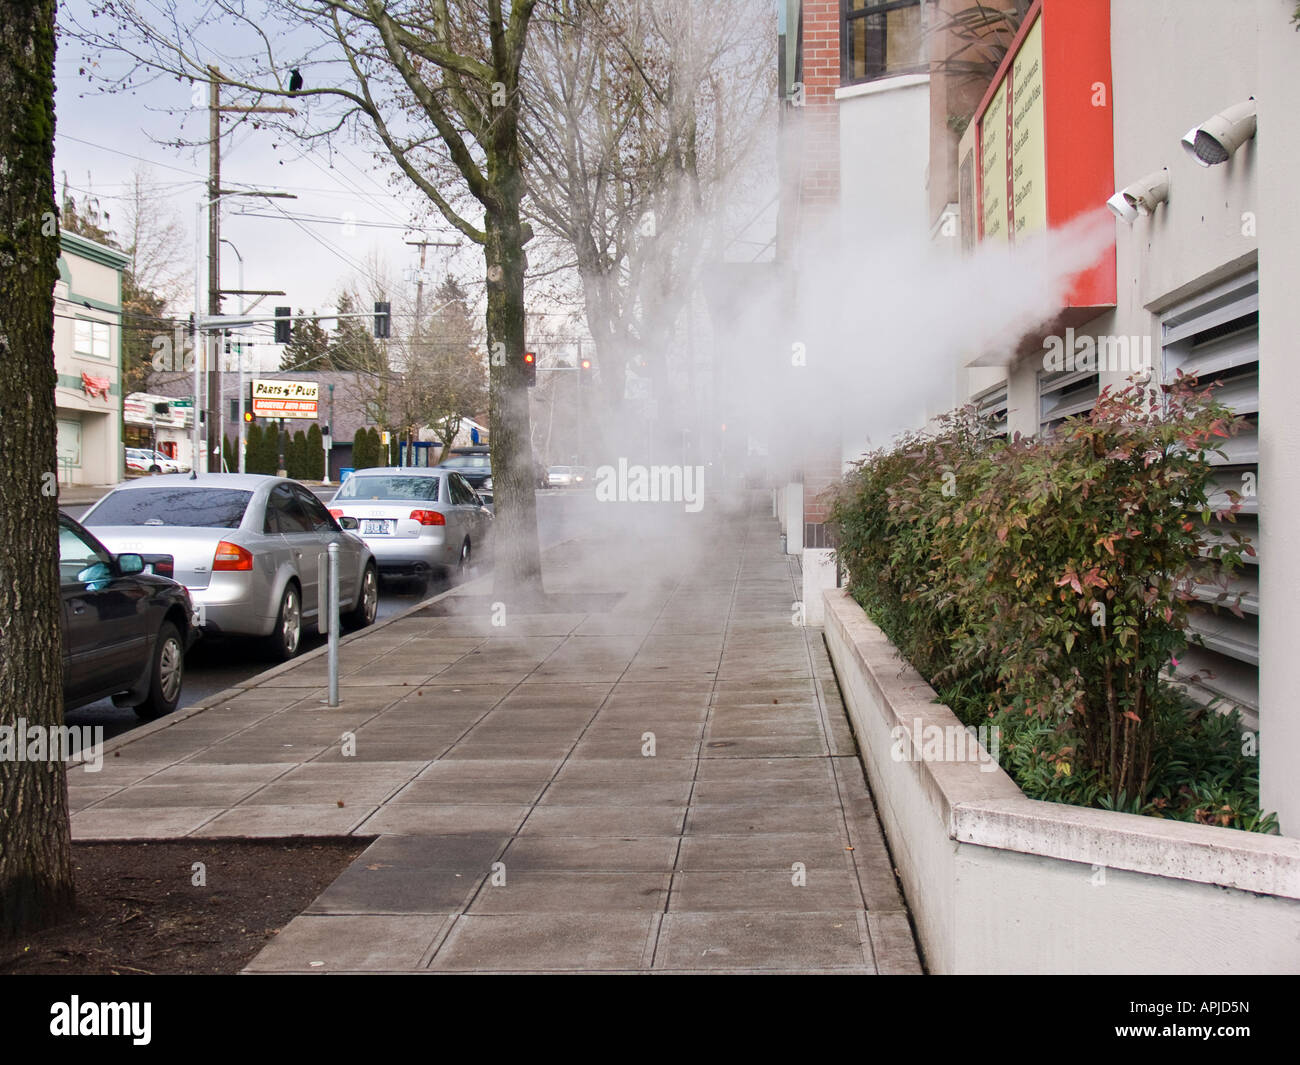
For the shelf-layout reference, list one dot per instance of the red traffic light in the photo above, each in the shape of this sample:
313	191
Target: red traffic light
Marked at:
586	364
529	357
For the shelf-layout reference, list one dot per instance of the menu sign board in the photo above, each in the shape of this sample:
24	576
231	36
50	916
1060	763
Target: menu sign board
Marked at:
1013	165
993	167
1028	157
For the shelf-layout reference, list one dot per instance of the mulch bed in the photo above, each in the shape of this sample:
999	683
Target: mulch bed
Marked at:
139	911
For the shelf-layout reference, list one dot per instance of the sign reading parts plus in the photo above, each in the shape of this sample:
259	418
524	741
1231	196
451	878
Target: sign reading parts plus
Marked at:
285	399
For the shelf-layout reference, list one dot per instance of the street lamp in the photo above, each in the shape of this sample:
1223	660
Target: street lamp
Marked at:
200	207
240	448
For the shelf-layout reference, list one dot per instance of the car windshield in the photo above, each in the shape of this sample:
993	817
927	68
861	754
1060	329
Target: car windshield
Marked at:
393	486
197	508
468	462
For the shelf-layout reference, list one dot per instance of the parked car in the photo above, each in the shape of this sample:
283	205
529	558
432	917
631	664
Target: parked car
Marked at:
419	521
475	465
176	465
560	476
251	550
144	460
125	630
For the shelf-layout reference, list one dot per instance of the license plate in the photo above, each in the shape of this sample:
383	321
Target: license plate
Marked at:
377	526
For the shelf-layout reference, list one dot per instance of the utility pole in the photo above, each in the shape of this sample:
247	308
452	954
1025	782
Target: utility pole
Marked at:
214	269
215	192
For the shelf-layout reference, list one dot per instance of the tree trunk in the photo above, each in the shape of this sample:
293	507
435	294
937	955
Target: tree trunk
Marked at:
36	885
516	554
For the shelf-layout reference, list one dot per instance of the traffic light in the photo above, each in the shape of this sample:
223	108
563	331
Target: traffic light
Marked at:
530	368
248	416
584	372
283	324
383	320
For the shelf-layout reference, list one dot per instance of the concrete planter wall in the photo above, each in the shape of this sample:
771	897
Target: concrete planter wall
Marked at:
1000	883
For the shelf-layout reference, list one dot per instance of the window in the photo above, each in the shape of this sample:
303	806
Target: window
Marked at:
193	508
368	486
92	338
284	513
76	554
460	492
879	38
315	511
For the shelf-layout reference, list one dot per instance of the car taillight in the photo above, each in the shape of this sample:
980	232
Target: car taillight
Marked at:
162	565
231	557
428	517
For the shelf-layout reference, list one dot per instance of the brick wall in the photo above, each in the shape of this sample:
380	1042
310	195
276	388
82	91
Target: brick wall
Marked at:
819	187
819	201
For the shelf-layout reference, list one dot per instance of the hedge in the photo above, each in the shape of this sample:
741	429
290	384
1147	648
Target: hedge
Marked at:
1043	586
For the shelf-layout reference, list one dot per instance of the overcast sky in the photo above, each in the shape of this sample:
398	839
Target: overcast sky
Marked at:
350	207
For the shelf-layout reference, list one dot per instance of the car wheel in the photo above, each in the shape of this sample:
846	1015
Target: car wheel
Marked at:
286	637
367	607
462	566
155	469
166	675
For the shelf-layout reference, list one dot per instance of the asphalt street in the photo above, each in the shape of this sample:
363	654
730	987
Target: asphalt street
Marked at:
213	665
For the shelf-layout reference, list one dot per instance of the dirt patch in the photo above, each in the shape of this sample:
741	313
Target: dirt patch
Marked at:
139	909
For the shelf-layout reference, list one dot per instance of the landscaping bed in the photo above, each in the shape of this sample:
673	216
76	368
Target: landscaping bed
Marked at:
1042	586
139	909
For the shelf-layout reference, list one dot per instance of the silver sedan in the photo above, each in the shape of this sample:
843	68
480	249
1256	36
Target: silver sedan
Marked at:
419	521
251	550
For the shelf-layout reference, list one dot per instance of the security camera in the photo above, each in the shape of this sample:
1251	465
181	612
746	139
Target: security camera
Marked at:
1141	197
1214	141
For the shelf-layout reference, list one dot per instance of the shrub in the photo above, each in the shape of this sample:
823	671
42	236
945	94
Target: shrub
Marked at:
314	455
253	448
296	461
364	450
1044	584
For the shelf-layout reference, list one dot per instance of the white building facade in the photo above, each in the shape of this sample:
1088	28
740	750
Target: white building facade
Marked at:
88	361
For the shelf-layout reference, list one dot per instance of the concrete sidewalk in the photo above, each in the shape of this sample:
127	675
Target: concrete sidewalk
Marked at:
659	778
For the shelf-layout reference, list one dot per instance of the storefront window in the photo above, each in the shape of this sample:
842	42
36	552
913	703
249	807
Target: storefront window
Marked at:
880	38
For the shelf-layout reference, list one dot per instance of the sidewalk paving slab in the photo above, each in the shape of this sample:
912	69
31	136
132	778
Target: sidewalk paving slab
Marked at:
656	777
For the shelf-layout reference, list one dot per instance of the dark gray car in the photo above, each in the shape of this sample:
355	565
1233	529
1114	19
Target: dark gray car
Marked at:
125	631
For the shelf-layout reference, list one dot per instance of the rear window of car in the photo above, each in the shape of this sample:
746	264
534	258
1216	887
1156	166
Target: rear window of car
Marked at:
194	508
364	486
468	462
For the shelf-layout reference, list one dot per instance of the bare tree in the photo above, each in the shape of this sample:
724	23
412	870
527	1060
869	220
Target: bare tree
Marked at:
641	117
436	84
155	240
36	879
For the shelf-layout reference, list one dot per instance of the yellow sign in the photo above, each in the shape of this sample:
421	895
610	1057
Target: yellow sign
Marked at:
993	167
1028	150
1013	161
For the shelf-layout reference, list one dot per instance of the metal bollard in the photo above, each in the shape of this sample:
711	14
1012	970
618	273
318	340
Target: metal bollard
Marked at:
333	615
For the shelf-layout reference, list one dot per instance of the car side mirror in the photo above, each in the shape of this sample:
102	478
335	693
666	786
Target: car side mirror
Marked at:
348	524
129	563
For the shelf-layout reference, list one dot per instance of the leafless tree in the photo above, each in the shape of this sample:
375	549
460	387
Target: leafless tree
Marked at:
435	84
